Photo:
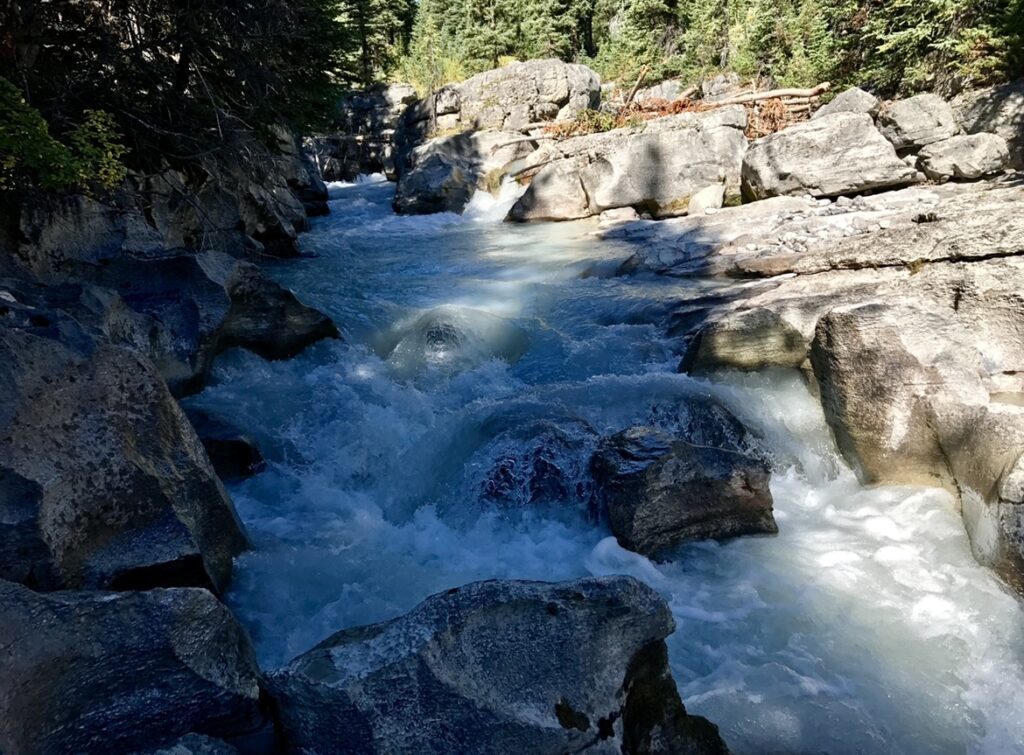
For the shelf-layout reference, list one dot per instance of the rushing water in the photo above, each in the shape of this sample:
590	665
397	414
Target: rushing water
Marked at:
864	627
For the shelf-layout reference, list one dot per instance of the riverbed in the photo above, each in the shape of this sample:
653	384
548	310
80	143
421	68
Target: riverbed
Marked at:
865	626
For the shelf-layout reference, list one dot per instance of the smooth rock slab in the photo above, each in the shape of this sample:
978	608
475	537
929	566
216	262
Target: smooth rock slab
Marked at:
836	154
96	672
917	121
498	667
659	491
968	157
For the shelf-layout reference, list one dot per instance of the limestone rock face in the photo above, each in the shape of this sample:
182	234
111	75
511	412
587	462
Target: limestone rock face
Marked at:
917	121
659	490
498	667
106	484
841	153
362	139
999	110
444	173
656	168
967	157
96	672
519	94
853	100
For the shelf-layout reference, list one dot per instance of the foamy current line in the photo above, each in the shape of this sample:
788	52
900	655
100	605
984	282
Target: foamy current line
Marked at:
864	627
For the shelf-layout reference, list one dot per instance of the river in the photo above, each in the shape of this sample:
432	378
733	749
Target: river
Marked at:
865	626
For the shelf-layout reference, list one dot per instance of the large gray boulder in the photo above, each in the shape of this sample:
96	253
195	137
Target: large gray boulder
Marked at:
703	481
917	121
656	168
999	110
443	174
836	154
968	157
105	482
518	94
96	672
853	100
908	394
497	667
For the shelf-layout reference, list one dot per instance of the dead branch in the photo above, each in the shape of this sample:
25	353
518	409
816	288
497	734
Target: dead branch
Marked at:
636	87
776	94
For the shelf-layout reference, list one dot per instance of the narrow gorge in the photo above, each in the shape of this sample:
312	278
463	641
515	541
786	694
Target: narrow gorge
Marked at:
535	414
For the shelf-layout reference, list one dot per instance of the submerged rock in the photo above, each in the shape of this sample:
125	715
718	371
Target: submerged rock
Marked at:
836	154
660	490
107	484
498	667
95	672
451	339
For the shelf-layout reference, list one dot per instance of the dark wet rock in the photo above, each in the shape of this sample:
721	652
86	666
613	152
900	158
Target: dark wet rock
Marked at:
107	484
443	174
234	455
498	667
539	461
194	744
194	306
361	140
658	490
96	672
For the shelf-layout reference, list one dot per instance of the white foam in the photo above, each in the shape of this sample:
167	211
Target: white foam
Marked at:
865	627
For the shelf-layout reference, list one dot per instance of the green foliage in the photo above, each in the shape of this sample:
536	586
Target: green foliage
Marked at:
92	157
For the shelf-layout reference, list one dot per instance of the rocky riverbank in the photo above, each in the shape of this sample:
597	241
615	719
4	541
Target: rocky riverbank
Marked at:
879	253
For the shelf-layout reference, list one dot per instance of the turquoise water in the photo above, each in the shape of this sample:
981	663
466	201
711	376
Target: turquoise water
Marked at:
864	627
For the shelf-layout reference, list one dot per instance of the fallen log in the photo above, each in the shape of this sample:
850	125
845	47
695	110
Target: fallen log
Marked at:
776	94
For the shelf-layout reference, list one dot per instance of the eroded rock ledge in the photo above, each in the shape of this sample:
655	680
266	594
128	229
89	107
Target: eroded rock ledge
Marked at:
904	311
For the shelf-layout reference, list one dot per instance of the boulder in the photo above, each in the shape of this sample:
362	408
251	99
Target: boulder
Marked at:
97	672
518	94
967	157
853	100
836	154
999	110
654	168
191	307
618	215
750	338
234	455
498	667
444	173
659	490
107	485
709	198
670	89
917	121
722	86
